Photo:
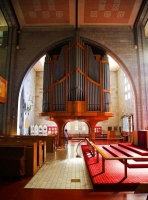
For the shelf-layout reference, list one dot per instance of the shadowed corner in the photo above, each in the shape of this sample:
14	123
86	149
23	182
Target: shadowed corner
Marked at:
142	188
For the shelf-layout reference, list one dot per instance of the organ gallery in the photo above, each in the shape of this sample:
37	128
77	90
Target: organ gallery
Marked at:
76	84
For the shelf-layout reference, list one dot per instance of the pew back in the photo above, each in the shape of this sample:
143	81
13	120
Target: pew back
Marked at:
50	140
31	154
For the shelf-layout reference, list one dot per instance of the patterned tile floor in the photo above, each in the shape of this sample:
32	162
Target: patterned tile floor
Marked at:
62	170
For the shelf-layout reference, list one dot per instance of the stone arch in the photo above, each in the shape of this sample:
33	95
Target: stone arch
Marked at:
25	68
117	57
20	73
78	134
48	46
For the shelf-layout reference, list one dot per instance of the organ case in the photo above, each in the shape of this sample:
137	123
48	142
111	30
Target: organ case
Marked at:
76	83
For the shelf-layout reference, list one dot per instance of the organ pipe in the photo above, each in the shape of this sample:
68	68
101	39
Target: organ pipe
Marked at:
77	75
106	84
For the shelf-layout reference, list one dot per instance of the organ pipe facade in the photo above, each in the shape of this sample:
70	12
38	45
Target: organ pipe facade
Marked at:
76	83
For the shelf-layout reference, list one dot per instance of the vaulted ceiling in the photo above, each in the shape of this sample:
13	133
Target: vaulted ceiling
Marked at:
76	12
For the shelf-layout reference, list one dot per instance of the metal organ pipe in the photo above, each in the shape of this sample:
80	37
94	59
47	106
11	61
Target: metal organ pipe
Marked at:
86	77
106	84
46	85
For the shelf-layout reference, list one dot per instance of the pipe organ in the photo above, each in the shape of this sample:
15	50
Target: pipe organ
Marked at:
76	83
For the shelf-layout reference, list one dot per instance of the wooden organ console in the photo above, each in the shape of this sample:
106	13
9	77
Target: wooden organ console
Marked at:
76	83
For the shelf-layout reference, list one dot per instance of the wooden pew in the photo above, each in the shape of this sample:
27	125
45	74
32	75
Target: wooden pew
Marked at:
44	151
13	161
41	152
31	154
41	147
50	140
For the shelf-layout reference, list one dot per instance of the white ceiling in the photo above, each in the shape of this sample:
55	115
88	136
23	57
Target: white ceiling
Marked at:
39	66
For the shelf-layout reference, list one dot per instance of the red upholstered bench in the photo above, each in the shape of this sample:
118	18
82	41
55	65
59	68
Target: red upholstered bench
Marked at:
134	148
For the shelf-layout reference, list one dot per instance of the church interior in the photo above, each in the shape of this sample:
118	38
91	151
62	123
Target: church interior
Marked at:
80	66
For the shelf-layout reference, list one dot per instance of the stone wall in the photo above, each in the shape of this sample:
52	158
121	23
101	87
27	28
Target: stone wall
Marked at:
26	103
38	99
126	107
113	42
119	106
38	102
117	41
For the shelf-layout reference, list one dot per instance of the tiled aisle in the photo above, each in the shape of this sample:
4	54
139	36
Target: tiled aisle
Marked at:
62	170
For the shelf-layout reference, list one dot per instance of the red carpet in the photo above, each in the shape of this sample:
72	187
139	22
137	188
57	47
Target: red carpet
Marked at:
113	178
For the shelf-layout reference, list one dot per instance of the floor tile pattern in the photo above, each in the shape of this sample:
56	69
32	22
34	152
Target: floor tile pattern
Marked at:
62	170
